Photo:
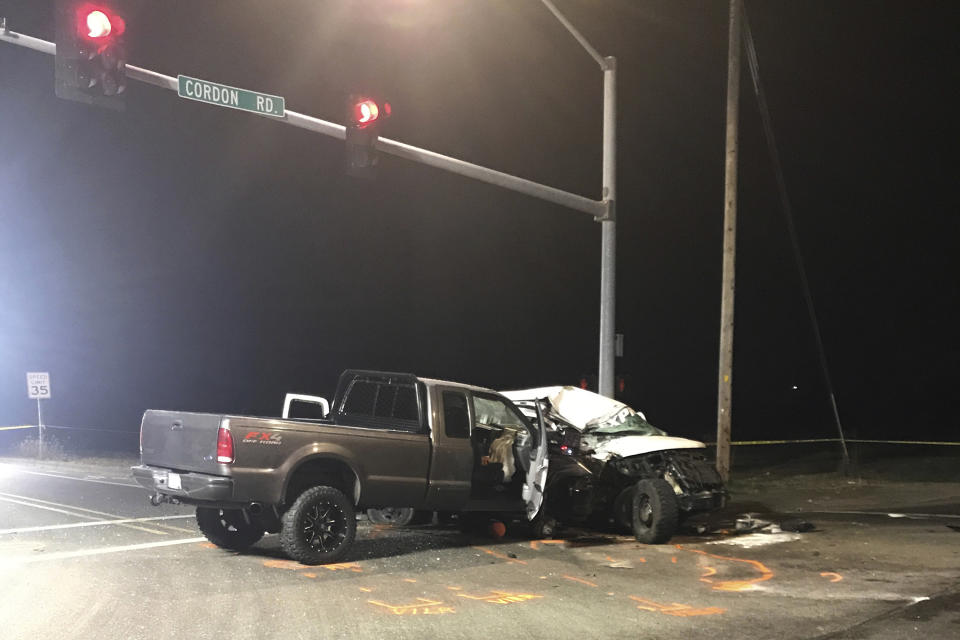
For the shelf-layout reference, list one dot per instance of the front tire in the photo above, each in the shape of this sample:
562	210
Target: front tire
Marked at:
319	527
232	529
656	514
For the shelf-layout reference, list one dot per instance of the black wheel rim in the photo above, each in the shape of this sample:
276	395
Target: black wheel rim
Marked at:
645	511
324	527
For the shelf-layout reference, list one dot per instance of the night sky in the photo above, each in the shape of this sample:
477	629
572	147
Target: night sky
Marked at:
185	256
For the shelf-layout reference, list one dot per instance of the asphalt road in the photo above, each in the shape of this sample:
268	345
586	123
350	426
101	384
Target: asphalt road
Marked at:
84	555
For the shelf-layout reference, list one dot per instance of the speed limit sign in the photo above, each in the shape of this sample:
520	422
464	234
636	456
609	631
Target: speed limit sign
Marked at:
38	385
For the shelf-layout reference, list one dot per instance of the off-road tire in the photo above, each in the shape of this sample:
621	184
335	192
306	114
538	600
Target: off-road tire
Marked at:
656	514
399	516
229	528
319	527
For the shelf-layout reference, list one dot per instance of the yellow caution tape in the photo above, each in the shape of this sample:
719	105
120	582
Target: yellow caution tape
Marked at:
954	444
747	442
26	426
855	440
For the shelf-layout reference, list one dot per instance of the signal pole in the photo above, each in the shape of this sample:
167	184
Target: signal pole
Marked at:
725	382
608	219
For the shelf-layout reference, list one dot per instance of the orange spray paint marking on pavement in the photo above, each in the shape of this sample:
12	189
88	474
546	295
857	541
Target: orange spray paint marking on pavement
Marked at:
581	580
296	566
676	609
732	585
310	575
455	588
424	607
284	564
708	571
834	577
673	559
535	544
499	555
365	589
501	597
409	580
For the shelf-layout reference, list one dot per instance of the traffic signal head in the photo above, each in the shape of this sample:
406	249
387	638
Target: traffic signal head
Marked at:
365	113
91	52
364	118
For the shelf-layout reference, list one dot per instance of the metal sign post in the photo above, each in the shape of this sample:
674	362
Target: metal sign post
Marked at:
38	388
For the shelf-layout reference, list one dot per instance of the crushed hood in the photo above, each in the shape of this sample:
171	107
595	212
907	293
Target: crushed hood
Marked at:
583	409
600	418
626	446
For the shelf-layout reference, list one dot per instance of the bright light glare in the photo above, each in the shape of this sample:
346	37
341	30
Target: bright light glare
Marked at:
367	112
7	470
98	24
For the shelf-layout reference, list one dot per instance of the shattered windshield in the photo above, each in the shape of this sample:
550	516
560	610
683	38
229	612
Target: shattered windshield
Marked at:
633	425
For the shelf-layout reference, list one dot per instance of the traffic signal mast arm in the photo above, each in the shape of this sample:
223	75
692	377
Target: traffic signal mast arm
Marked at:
599	209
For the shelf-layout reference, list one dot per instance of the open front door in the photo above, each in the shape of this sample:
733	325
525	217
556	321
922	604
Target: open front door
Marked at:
537	473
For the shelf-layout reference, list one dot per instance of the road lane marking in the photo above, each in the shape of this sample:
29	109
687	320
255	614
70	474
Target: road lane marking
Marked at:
10	497
63	477
66	555
95	523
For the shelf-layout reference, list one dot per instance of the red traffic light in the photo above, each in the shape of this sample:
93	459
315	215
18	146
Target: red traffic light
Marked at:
98	24
365	112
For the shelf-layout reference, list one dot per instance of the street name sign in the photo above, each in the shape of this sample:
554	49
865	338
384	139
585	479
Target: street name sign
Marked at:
224	96
38	385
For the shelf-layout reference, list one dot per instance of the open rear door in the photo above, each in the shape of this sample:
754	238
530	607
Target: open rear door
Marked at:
537	473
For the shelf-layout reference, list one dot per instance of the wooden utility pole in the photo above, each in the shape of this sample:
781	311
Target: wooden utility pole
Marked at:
725	383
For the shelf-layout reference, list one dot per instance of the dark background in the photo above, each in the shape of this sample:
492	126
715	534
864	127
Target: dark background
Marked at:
185	256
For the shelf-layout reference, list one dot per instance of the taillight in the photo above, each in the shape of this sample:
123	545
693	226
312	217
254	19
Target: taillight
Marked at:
224	443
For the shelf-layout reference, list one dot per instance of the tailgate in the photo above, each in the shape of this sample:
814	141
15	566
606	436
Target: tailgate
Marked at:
181	441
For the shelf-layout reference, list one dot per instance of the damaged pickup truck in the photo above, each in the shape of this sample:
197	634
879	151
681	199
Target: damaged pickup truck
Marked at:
389	439
608	464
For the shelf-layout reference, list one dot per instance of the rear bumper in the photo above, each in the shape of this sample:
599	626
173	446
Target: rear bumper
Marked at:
195	488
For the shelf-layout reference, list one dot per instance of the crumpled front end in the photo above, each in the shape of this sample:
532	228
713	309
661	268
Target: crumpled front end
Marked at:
694	479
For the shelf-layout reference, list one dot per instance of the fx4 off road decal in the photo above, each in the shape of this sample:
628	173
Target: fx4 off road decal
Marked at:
263	437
